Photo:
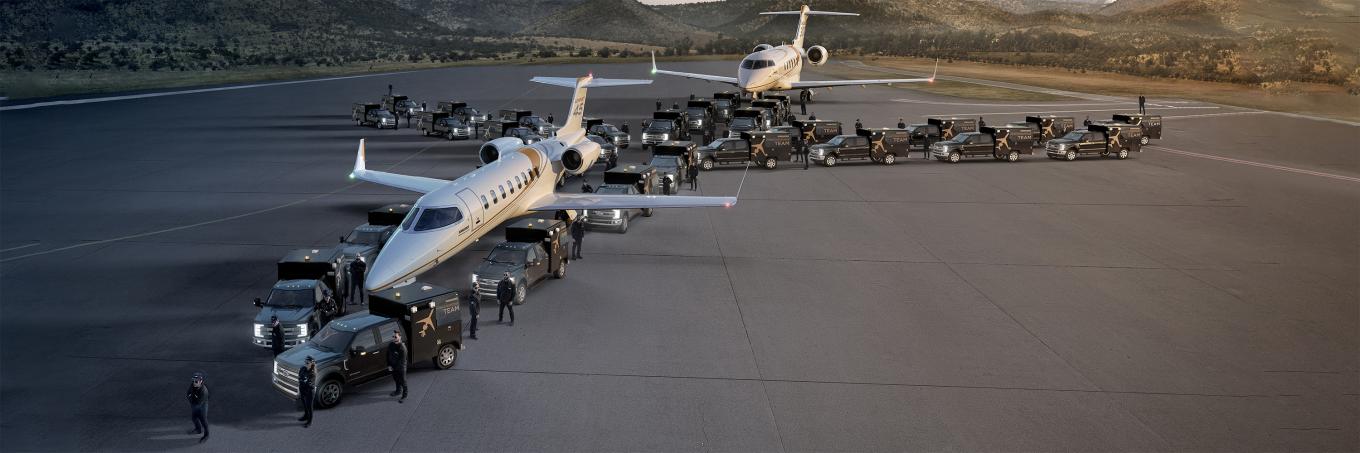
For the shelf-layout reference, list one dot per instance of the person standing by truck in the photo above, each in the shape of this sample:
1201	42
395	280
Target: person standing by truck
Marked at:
693	177
550	118
901	123
307	390
357	269
666	184
578	232
474	309
198	405
658	103
1142	105
275	335
396	363
505	294
858	124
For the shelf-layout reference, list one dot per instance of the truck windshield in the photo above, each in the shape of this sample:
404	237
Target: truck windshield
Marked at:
364	237
836	141
1073	136
506	255
471	112
716	144
961	138
743	121
406	103
331	339
607	129
453	122
697	112
660	125
291	298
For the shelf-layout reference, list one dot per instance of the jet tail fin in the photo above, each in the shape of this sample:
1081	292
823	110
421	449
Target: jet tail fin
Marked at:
803	14
578	100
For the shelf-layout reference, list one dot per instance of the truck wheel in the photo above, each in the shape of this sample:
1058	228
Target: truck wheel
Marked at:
1071	155
623	226
561	271
447	356
770	163
830	161
647	212
1144	140
707	164
521	292
955	157
889	159
329	393
1013	156
1123	154
450	135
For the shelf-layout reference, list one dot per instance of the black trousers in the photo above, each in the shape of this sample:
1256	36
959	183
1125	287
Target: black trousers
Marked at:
200	416
508	305
356	289
399	377
307	397
474	323
576	247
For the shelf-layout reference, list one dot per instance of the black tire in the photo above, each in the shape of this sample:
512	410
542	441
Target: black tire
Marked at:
771	163
623	224
447	356
1123	154
1144	140
706	165
830	161
1014	156
329	393
1071	155
647	212
561	271
955	157
521	293
889	159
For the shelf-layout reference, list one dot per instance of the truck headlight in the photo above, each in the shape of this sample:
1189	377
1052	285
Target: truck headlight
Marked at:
302	330
259	330
615	213
276	367
474	279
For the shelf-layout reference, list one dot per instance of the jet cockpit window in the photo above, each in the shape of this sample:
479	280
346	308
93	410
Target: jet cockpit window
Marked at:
410	217
435	218
756	64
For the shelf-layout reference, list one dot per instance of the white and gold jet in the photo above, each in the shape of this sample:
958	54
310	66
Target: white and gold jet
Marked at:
780	68
513	181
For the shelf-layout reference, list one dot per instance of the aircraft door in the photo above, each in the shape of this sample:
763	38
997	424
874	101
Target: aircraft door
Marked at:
474	206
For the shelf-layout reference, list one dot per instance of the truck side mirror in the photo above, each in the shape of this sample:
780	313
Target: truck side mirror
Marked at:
356	350
258	302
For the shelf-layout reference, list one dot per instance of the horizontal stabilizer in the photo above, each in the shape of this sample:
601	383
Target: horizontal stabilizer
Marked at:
809	12
570	201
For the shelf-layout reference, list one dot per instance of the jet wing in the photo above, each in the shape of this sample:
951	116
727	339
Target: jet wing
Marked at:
572	201
412	183
711	78
842	83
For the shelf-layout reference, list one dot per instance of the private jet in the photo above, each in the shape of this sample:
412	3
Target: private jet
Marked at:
514	180
780	68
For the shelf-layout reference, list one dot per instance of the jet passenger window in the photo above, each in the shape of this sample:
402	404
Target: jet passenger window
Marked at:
502	191
435	218
485	205
517	183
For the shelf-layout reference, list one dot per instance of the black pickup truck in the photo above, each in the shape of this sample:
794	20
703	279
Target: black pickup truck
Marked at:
624	180
1001	143
724	104
534	249
665	125
442	124
366	114
847	147
747	119
352	350
306	278
761	148
950	127
596	126
1103	139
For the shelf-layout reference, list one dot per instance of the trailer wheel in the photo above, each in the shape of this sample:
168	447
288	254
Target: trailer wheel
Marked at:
521	291
707	164
830	161
561	271
1071	155
1123	154
329	393
771	163
1013	156
889	159
955	157
1144	140
647	212
447	356
623	225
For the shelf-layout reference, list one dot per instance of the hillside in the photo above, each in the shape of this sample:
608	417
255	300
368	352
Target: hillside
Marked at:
487	17
616	20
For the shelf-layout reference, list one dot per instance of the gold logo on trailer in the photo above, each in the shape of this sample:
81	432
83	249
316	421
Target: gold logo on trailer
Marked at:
427	323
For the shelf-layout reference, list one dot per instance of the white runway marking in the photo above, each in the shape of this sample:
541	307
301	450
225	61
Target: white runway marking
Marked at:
1051	104
181	92
1257	164
1202	115
20	247
1056	111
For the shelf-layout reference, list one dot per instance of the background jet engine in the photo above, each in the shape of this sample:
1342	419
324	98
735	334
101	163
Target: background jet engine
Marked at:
493	150
578	158
817	55
762	47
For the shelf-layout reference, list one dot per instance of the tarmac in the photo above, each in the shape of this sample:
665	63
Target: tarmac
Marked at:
1200	296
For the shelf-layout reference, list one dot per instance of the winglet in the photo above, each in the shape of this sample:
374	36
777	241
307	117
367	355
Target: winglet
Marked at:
937	70
359	165
653	62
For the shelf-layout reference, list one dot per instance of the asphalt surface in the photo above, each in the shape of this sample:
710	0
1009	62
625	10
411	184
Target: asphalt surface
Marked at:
1175	301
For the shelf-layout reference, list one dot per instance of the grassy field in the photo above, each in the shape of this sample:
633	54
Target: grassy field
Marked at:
1306	98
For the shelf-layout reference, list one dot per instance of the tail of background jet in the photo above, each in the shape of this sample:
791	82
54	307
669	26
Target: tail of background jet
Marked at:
803	14
578	100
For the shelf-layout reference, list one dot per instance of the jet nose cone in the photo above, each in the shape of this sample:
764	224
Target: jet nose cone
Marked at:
383	275
399	260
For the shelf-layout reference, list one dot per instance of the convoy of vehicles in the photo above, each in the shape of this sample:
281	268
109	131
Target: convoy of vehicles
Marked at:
1103	139
534	249
665	125
401	105
624	180
1001	143
352	350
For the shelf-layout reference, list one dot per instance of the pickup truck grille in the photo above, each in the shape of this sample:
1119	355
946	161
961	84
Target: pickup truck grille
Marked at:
290	337
652	138
286	381
485	288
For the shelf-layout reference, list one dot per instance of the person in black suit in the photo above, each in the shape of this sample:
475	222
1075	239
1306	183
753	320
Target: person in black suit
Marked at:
474	309
396	363
307	390
198	404
505	294
275	335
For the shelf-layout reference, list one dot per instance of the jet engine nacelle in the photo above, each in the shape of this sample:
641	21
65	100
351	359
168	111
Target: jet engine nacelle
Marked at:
579	157
817	55
492	150
762	47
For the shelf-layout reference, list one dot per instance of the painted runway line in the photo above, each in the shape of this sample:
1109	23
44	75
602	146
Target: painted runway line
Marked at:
1257	164
1054	111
